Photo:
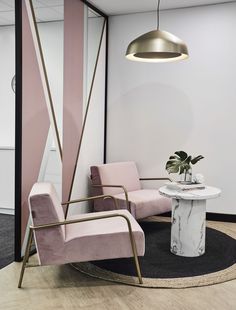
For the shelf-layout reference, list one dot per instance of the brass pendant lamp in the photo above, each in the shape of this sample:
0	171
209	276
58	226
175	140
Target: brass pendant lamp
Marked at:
157	46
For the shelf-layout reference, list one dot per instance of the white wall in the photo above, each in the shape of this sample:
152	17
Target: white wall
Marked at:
156	109
7	159
7	119
7	96
52	36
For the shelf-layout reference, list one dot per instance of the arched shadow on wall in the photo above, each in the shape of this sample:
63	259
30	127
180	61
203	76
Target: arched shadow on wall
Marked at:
148	123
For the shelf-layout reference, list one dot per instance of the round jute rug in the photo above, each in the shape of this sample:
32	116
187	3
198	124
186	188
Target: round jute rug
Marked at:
162	269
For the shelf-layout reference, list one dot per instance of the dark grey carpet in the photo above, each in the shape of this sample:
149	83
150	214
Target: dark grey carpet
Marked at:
159	262
6	240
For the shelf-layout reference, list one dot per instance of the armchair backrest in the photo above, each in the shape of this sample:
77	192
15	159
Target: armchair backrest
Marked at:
122	173
45	208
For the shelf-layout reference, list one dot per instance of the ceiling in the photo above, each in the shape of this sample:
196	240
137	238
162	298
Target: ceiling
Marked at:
52	10
116	7
45	10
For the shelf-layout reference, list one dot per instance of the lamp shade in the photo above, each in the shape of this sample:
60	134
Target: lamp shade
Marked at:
157	46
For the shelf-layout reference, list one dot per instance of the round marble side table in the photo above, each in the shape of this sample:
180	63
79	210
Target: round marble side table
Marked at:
188	226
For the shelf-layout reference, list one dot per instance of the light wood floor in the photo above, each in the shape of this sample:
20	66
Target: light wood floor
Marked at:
65	288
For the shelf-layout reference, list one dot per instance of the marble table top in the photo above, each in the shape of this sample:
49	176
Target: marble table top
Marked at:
194	194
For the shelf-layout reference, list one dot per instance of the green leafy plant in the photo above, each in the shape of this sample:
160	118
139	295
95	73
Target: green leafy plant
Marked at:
181	162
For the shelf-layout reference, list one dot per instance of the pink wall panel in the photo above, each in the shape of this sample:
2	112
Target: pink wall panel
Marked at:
73	89
35	120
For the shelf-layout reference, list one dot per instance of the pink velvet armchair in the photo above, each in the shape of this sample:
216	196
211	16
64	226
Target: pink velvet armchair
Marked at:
123	182
83	237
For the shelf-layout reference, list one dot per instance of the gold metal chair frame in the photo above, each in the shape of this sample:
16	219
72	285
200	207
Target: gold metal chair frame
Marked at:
67	222
125	190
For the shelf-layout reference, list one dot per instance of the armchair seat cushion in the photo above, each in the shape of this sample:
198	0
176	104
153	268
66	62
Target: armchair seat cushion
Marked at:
145	202
116	179
102	239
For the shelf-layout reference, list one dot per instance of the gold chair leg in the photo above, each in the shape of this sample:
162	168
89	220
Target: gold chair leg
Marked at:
136	260
138	269
26	257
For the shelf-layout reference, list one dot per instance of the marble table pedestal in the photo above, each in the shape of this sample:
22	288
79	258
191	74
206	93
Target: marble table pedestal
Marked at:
188	228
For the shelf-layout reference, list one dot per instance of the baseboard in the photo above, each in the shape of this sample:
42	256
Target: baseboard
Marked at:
8	211
219	217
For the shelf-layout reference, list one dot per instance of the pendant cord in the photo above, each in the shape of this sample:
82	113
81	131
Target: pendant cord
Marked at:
158	14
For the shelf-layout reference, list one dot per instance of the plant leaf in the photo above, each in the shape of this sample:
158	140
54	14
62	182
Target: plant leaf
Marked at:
196	159
182	155
181	162
173	169
171	163
181	169
184	168
188	159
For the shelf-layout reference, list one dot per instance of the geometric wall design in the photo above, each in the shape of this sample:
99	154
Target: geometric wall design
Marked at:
80	100
73	90
91	148
81	142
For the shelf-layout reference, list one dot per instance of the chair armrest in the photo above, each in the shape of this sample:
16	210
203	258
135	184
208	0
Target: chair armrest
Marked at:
68	222
119	186
67	203
153	179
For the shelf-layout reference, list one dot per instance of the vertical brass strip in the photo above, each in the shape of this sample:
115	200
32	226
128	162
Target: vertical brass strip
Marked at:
46	79
86	114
